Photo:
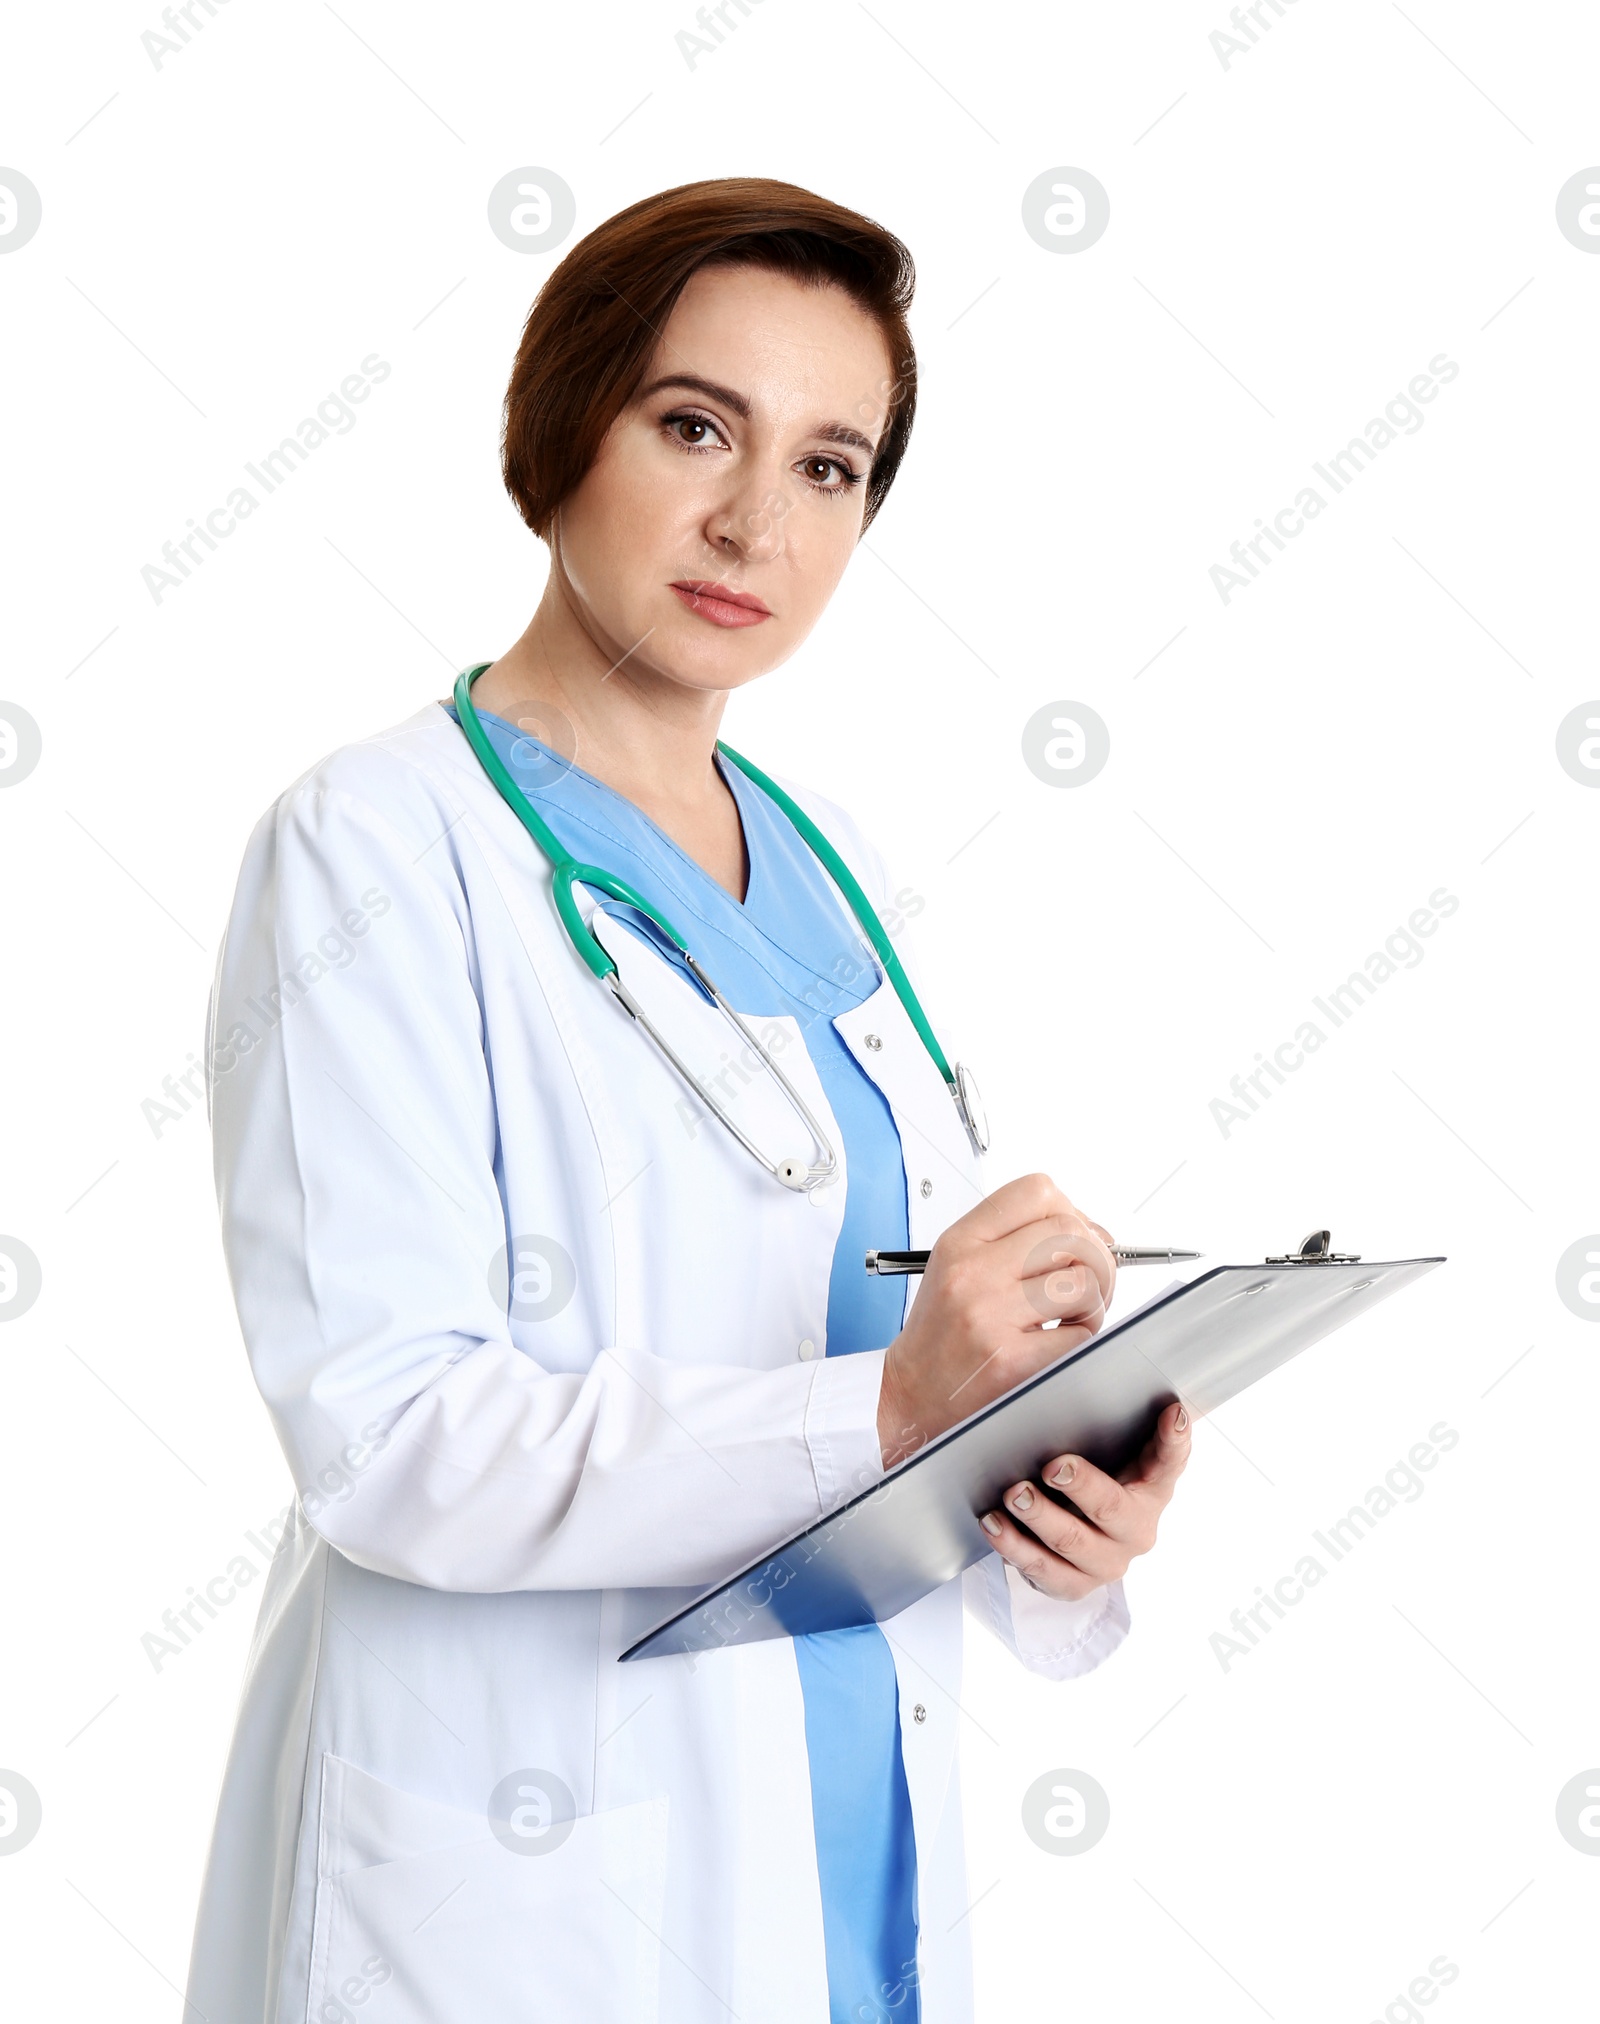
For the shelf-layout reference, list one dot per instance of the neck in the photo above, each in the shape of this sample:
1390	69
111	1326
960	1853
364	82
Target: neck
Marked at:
641	733
651	739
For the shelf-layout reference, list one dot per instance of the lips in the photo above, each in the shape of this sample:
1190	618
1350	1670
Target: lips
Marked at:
717	604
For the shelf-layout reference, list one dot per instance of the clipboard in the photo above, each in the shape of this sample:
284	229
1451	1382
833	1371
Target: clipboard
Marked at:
917	1527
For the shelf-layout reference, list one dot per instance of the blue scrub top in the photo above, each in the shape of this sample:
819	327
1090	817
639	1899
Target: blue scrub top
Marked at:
790	948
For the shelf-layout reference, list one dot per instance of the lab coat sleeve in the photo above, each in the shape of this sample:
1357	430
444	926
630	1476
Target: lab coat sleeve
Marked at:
355	1147
1059	1639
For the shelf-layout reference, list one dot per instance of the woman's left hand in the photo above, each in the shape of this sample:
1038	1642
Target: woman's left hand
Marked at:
1060	1554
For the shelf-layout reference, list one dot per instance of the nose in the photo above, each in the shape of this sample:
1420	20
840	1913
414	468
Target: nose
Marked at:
748	524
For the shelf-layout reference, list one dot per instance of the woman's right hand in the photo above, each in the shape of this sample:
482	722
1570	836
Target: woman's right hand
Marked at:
1024	1256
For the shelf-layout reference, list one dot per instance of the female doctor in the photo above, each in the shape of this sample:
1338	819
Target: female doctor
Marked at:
549	1257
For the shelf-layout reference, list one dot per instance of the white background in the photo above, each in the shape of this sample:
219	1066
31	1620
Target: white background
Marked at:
1293	237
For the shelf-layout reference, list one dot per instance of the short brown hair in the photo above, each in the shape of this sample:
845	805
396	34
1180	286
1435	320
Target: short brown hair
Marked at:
594	324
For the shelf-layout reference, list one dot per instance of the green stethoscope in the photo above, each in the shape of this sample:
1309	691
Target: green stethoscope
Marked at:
799	1175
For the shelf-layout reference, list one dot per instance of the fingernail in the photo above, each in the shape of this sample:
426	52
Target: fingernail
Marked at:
1021	1498
990	1524
1182	1420
1064	1472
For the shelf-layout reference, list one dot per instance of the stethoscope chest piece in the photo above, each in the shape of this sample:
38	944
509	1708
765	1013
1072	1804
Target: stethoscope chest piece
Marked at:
973	1115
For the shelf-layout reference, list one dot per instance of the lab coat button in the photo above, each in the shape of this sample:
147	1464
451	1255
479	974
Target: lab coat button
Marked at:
874	1043
808	1350
919	1713
927	1189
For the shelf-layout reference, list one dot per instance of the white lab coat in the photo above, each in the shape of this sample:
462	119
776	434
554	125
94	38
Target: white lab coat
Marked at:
492	1508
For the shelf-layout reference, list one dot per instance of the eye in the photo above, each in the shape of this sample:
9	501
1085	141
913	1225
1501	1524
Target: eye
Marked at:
829	474
699	434
694	432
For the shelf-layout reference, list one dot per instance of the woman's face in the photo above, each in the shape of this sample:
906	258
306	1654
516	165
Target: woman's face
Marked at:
737	472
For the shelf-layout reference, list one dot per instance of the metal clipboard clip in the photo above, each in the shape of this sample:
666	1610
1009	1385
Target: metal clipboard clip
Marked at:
1314	1251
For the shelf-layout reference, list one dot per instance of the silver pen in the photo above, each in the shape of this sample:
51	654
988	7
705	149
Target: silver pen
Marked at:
903	1264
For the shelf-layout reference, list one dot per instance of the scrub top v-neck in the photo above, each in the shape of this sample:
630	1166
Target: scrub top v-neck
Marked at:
790	948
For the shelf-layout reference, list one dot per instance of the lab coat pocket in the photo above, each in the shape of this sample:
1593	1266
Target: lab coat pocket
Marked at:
420	1909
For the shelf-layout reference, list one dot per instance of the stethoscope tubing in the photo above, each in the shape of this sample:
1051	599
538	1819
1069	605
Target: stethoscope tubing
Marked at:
566	872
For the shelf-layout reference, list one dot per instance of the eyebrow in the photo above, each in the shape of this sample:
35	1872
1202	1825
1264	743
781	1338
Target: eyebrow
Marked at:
828	432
